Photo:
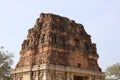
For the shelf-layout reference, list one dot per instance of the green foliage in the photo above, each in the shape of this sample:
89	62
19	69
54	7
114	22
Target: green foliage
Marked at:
5	63
113	72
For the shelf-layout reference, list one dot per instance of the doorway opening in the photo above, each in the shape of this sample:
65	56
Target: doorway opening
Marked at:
80	78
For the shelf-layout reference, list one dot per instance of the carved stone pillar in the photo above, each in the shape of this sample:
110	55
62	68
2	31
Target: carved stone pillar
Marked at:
46	75
40	77
69	76
72	77
27	76
89	78
13	77
37	75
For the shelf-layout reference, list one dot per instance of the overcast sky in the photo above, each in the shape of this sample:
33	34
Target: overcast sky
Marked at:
101	19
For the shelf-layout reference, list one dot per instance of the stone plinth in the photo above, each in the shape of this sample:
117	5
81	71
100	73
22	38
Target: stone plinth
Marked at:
55	72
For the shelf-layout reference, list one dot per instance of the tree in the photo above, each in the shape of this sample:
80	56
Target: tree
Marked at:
113	72
5	63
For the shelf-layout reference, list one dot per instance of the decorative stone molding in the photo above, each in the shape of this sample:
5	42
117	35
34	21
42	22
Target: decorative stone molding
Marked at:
54	72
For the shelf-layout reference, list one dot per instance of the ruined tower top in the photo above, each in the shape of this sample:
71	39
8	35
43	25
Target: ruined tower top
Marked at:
59	41
57	48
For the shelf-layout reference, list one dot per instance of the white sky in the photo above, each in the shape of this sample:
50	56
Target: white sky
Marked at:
101	19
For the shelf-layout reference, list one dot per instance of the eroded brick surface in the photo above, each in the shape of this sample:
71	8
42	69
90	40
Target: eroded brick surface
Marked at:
60	41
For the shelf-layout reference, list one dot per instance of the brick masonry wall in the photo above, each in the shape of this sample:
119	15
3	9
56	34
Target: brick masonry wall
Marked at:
60	41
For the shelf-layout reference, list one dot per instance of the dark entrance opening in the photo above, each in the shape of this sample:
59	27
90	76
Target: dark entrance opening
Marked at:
80	78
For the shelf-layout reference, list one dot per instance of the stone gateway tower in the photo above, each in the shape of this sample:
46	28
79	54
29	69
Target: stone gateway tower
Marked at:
57	48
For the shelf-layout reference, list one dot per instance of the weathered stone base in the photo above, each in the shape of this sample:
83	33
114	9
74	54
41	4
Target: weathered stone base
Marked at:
55	72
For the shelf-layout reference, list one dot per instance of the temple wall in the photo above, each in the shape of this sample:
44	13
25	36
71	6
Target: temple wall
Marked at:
55	72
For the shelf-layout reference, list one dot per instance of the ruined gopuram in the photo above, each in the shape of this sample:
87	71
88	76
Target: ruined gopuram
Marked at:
57	48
